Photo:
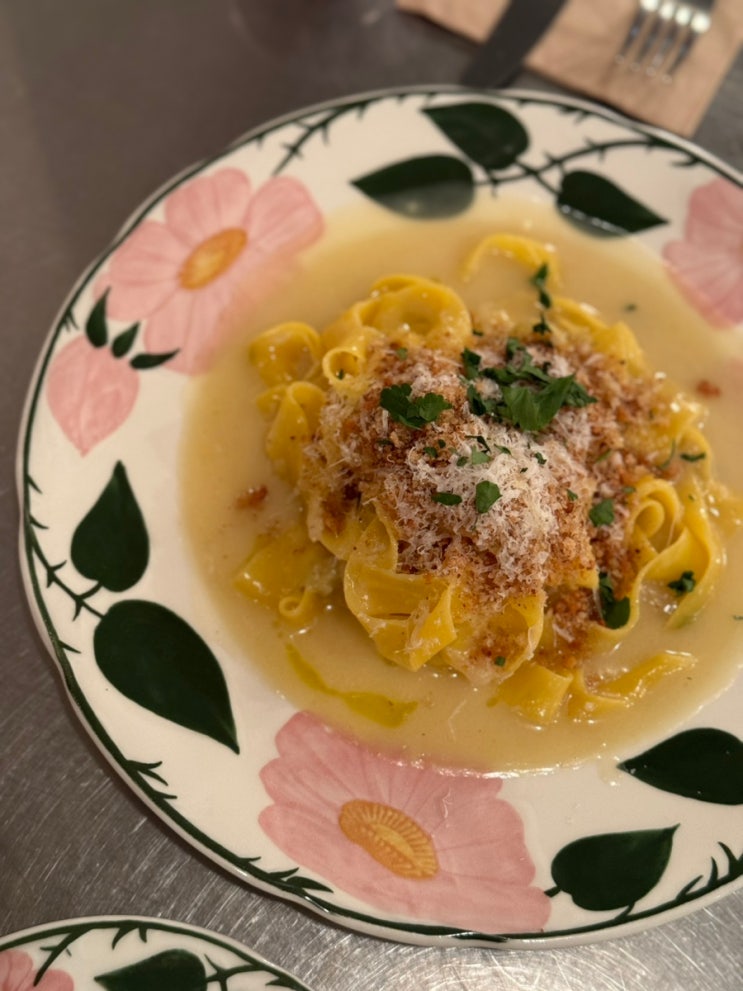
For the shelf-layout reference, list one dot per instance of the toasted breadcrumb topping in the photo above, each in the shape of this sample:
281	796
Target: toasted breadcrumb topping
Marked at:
538	534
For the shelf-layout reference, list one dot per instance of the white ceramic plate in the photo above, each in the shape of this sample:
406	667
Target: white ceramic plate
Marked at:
118	953
564	857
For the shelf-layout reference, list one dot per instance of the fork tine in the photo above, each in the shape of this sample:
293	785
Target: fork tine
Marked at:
679	21
662	34
699	24
645	10
657	31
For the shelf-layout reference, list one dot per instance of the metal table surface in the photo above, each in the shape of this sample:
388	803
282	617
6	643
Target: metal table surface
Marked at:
101	101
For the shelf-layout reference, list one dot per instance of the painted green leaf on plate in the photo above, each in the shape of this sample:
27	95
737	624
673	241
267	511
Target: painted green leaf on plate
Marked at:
612	870
144	361
96	328
706	764
421	188
172	970
110	545
488	135
122	343
158	661
595	204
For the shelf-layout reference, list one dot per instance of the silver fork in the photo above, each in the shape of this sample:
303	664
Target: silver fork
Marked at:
662	34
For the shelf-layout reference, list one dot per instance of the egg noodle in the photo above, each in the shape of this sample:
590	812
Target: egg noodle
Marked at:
492	494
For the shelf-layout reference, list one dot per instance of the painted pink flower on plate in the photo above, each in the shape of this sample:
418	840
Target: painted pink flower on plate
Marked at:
17	974
707	265
410	840
217	237
90	392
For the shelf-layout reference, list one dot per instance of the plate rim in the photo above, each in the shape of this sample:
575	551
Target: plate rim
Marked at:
42	930
411	933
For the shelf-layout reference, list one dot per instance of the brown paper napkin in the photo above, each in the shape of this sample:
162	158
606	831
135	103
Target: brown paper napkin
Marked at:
578	51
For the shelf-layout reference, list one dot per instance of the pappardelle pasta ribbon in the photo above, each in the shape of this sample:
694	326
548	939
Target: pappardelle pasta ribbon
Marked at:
491	496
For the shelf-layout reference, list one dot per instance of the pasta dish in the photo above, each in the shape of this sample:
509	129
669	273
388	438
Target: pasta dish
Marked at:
494	494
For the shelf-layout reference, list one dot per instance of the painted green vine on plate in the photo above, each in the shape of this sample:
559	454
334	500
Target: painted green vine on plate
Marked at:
168	970
495	146
147	652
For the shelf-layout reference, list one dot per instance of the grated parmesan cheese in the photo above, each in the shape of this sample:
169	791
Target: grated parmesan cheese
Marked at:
537	535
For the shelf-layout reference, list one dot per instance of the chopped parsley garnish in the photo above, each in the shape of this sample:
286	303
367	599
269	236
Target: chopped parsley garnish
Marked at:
499	661
446	498
479	405
628	489
529	396
603	456
669	459
432	452
531	409
602	513
694	457
482	442
572	496
341	373
514	346
475	457
402	353
414	413
471	361
478	457
477	333
384	442
685	583
539	280
542	327
486	495
540	458
614	612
